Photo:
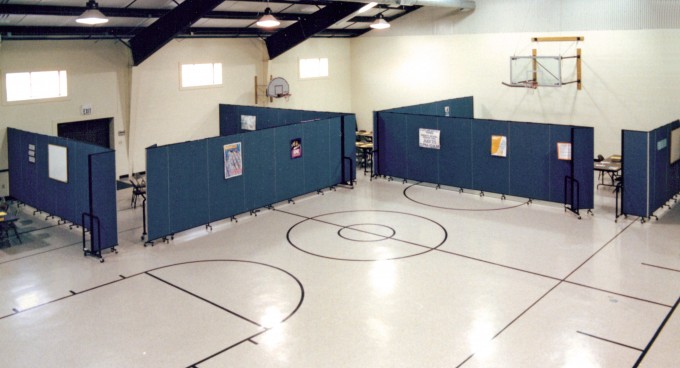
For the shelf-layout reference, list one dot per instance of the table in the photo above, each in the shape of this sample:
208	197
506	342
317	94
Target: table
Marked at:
609	168
366	152
7	224
365	134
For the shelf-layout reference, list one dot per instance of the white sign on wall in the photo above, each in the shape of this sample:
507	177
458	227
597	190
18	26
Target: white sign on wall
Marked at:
429	138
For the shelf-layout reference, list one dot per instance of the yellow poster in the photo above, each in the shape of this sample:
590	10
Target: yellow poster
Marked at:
499	145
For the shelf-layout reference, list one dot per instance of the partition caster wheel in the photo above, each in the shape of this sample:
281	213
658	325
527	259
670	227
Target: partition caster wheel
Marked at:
101	260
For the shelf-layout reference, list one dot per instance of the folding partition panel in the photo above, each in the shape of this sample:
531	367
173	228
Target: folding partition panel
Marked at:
490	173
103	197
659	167
582	160
80	188
227	196
558	168
266	118
158	191
528	168
635	151
455	164
422	163
529	164
290	171
187	186
316	155
259	164
392	144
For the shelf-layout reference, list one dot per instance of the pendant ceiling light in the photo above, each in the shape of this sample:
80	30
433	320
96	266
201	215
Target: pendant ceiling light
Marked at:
380	23
92	15
268	20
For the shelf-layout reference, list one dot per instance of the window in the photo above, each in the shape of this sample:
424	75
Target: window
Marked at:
198	75
35	85
313	68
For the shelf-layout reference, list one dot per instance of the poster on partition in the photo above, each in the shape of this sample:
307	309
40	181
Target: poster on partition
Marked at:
564	151
428	138
233	160
499	145
295	148
248	122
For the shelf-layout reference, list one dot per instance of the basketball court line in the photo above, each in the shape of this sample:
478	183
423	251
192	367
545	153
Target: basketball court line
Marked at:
660	267
554	287
610	341
148	273
560	281
306	218
656	334
459	209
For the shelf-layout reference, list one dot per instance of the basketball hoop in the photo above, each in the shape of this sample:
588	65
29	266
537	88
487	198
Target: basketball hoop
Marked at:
277	88
522	84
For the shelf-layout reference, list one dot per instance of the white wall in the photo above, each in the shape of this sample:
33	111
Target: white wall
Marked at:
323	94
628	75
162	113
98	74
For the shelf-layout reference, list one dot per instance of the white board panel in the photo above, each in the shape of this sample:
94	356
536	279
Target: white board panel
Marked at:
675	145
57	159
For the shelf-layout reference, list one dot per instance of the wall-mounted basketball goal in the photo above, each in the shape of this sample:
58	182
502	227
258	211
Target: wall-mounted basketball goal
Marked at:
545	71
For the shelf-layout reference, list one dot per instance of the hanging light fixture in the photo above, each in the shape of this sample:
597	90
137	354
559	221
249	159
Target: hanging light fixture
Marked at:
92	15
380	23
268	20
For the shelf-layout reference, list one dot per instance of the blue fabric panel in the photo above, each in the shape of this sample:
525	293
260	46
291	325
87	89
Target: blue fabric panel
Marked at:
674	170
490	173
392	144
17	152
350	146
81	184
158	192
335	144
188	185
230	120
30	171
659	165
227	196
259	168
103	176
582	159
462	107
290	173
635	177
530	160
317	155
68	193
422	163
559	169
431	110
455	163
43	183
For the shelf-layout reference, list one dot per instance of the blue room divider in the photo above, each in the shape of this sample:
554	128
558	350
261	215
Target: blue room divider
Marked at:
266	117
187	185
649	178
531	168
90	186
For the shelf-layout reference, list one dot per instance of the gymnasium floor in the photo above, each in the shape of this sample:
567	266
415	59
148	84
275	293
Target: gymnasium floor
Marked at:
384	275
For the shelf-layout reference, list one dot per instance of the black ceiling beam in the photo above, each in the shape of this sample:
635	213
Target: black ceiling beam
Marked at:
298	32
73	11
160	32
18	32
